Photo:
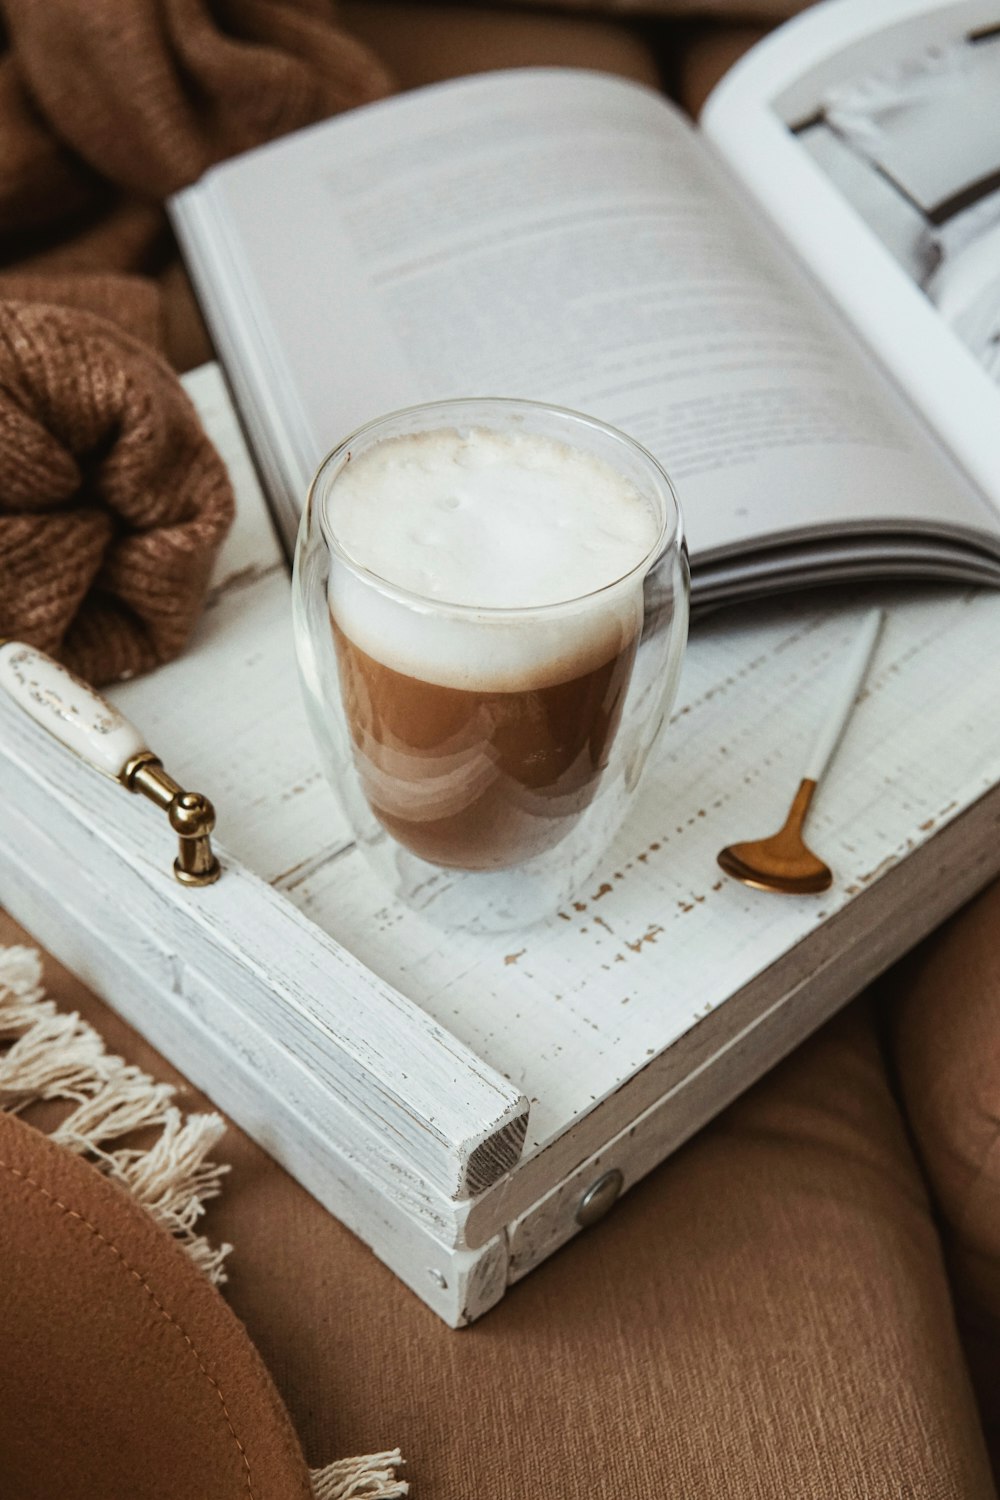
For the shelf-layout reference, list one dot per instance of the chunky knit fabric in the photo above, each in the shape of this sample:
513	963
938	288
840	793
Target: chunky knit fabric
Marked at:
113	501
107	106
174	85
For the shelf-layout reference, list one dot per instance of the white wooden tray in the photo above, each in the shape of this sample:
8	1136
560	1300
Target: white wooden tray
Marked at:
451	1097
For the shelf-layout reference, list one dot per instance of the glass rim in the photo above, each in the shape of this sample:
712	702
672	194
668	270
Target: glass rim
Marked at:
669	536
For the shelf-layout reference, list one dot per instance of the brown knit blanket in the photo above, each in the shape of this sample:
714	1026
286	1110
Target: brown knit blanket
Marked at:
112	501
108	106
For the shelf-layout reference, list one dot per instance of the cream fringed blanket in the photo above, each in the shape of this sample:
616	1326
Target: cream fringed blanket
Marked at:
127	1126
55	1056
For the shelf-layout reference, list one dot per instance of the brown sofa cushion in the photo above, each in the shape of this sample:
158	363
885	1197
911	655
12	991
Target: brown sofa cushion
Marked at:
707	58
124	1374
767	1316
946	1036
425	42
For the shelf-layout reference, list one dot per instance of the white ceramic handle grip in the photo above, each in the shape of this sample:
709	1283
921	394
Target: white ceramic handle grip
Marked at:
854	673
80	718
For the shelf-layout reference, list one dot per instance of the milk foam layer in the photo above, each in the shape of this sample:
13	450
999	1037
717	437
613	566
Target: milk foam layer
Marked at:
489	521
497	520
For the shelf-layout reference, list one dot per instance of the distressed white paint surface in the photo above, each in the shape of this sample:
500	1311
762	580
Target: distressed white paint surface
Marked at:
31	854
925	887
384	1057
713	1062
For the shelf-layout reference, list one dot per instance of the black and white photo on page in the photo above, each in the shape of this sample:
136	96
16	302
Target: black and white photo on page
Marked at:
912	141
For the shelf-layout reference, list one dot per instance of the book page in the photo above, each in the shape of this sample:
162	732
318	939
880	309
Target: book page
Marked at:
871	135
566	237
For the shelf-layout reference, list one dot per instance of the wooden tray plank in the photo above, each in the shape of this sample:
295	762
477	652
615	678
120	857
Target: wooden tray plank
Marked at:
459	1123
458	1285
775	1015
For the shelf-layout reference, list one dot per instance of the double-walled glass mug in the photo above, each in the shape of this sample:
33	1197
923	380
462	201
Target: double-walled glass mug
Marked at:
491	606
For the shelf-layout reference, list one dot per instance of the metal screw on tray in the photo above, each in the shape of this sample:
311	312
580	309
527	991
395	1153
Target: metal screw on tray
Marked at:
94	730
784	862
599	1198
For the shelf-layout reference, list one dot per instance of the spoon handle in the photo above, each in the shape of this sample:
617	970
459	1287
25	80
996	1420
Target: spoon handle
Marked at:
855	671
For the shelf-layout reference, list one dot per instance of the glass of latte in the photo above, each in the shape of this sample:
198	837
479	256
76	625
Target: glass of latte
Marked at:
491	604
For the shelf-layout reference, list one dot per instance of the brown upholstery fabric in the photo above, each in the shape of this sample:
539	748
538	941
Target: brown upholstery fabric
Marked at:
113	502
765	1316
706	59
946	1040
124	1374
423	43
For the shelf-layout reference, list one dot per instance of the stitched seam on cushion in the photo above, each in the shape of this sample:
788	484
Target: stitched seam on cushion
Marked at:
72	1213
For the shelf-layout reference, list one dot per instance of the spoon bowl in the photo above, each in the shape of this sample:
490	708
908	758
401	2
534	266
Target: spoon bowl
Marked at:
783	862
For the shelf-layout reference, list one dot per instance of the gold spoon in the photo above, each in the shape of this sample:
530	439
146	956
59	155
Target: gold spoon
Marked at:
784	862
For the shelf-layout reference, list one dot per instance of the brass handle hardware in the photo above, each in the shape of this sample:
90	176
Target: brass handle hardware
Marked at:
94	730
192	817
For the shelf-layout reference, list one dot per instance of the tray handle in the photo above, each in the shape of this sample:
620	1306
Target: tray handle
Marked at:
93	729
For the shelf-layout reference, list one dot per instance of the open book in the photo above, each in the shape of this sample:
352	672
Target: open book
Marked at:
796	307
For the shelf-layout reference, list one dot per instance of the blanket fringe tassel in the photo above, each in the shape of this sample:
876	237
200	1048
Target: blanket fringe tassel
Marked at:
372	1478
54	1055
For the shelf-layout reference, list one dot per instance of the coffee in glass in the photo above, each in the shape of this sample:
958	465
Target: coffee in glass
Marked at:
491	606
